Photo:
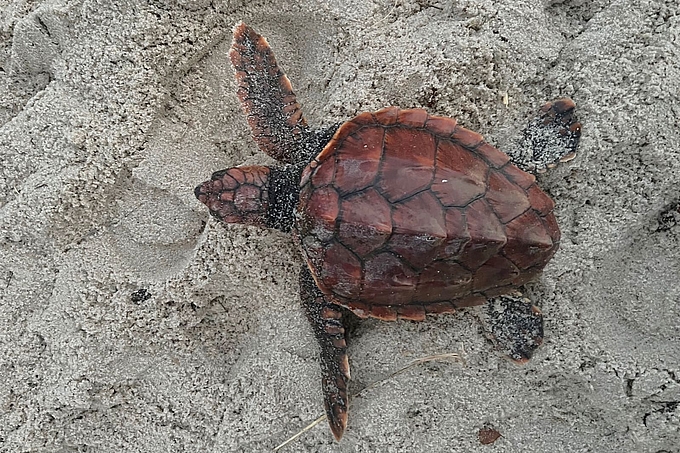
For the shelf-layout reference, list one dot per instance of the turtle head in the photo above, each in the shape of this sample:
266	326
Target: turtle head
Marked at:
252	195
237	195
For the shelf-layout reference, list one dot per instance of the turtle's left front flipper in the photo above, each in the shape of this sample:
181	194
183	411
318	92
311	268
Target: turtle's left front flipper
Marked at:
514	325
326	320
267	97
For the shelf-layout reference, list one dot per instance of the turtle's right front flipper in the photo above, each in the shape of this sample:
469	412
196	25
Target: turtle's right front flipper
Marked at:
326	320
552	137
267	97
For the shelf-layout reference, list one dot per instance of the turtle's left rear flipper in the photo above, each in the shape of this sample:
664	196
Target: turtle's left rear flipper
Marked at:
326	320
267	97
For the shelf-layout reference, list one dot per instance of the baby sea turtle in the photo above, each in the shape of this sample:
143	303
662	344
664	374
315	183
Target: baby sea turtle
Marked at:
397	213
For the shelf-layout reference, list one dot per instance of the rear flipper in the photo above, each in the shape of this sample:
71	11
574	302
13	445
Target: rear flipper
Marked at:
326	320
552	137
514	325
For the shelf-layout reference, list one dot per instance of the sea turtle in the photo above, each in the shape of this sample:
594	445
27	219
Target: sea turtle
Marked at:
397	213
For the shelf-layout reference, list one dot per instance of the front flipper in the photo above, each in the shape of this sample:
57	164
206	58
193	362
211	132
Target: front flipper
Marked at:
514	325
326	320
267	97
552	137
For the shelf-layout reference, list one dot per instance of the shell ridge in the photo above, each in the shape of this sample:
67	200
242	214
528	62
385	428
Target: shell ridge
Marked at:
379	174
413	195
518	215
437	139
362	268
429	187
476	197
488	206
464	266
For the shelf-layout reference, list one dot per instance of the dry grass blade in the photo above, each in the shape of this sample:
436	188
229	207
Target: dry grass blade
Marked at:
301	432
375	24
430	358
456	357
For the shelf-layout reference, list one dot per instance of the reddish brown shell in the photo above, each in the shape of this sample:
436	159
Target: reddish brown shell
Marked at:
404	214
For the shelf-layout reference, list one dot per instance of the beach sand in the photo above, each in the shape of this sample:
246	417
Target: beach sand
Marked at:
132	321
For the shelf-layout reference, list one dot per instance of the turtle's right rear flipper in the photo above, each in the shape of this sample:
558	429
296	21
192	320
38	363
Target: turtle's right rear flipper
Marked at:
326	320
514	325
267	97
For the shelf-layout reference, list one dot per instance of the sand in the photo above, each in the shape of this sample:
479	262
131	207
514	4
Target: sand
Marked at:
131	321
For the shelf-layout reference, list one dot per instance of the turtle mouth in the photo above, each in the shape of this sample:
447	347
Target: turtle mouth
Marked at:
198	191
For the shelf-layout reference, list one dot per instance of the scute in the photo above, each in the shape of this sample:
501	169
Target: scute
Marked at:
487	235
505	197
444	280
357	171
419	229
428	217
341	271
322	208
461	175
387	279
407	163
365	222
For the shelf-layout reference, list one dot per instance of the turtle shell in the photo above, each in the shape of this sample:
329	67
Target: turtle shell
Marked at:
404	214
